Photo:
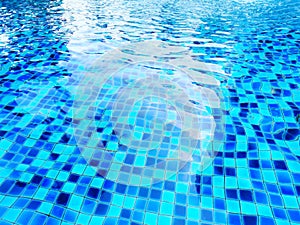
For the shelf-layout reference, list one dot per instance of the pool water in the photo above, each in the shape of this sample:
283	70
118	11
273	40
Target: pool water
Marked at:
150	112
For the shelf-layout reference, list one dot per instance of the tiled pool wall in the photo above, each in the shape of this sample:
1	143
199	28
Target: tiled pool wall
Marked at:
47	48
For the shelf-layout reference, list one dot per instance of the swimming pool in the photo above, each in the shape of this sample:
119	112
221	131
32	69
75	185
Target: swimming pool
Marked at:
150	112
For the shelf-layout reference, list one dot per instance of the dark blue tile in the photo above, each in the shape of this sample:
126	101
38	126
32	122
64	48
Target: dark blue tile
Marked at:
231	193
280	164
153	206
67	167
180	210
155	194
276	200
80	190
287	190
34	205
219	204
129	159
36	179
177	221
294	215
17	188
125	213
254	163
101	209
241	155
283	177
206	180
25	217
121	188
246	195
169	185
8	156
206	190
234	219
250	220
272	188
143	192
6	185
62	199
181	198
51	196
298	190
230	171
85	180
105	196
261	197
279	213
20	203
93	192
255	174
218	170
57	211
53	156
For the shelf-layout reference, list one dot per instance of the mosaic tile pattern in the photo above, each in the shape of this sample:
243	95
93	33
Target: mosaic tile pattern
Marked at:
253	49
146	119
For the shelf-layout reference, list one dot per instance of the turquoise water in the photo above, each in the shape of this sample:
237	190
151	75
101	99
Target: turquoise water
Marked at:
149	112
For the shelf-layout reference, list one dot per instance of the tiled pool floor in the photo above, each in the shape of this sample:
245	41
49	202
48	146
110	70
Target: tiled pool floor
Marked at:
149	112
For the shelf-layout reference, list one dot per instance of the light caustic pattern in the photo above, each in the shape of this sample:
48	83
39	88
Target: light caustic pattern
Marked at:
139	116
